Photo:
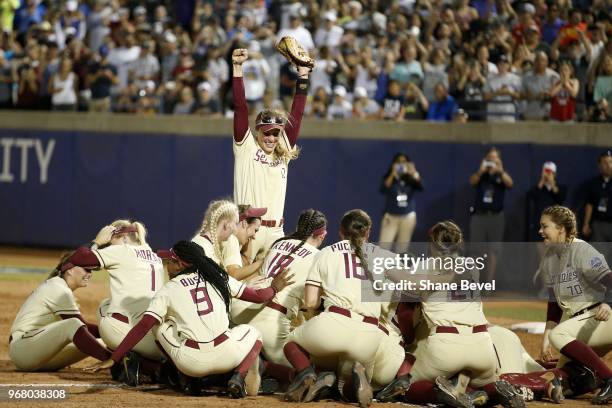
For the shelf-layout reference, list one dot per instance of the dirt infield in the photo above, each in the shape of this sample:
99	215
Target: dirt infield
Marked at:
98	390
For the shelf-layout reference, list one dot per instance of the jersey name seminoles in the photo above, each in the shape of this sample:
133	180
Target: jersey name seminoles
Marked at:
136	273
298	263
194	305
337	270
258	179
45	305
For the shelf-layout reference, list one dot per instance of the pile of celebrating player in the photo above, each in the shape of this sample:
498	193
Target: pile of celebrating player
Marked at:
250	310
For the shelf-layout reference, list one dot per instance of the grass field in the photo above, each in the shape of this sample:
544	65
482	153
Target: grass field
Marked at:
98	390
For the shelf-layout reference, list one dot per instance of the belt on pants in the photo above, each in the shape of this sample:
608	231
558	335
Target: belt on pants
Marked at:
366	319
586	309
121	317
272	223
450	329
276	306
216	341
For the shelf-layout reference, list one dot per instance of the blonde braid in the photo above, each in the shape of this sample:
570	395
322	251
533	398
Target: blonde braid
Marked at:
217	211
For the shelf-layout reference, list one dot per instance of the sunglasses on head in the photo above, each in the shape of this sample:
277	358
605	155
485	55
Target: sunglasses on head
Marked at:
271	120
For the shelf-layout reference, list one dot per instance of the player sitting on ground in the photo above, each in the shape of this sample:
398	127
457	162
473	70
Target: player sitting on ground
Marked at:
192	313
49	332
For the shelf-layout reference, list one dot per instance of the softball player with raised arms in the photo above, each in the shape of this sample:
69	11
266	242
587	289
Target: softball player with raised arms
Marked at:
191	311
261	159
348	328
296	253
578	277
49	332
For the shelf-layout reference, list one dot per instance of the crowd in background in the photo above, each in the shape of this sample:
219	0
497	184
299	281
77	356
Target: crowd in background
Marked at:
439	60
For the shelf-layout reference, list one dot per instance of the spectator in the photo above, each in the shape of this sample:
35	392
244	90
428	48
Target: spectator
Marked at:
392	107
563	95
169	56
206	104
415	103
329	33
29	14
569	32
7	14
256	70
6	83
318	104
602	95
123	56
597	225
340	108
102	76
325	67
399	186
544	194
51	66
488	222
63	87
409	68
298	31
435	72
444	107
367	72
465	14
470	90
186	102
363	106
217	71
98	23
537	86
487	67
288	77
501	92
145	67
27	90
552	25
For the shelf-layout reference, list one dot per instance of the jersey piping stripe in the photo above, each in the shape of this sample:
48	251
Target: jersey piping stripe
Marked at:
168	341
155	315
245	334
497	356
100	258
67	310
246	135
313	283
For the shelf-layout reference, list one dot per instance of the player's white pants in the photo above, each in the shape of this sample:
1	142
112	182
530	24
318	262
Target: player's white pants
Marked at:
397	226
446	354
46	349
389	357
585	328
274	328
329	336
264	239
511	355
113	331
207	359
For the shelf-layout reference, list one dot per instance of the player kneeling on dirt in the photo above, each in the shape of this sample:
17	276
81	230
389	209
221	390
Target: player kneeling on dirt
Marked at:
190	316
49	332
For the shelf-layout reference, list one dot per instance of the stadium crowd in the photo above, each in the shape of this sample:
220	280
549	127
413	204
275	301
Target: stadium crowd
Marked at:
439	60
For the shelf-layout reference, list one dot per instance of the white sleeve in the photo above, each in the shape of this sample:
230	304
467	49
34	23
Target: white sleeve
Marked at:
236	287
112	255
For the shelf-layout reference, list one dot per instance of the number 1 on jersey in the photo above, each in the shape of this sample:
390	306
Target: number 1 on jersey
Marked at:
152	278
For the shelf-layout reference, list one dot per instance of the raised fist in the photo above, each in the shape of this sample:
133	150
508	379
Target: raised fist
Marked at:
239	55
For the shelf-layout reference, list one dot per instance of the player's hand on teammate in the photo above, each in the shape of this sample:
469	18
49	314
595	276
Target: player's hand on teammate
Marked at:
603	312
239	55
104	236
282	280
257	283
546	354
101	365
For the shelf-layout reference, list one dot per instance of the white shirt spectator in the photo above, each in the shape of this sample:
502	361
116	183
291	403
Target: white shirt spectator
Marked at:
364	80
340	108
502	108
218	73
320	77
536	84
121	58
255	72
302	35
433	75
144	68
329	34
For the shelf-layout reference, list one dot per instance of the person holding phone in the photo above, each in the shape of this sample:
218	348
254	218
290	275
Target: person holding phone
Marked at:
399	185
487	222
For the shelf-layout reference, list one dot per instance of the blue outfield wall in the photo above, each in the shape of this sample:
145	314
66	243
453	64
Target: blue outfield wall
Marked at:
167	181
